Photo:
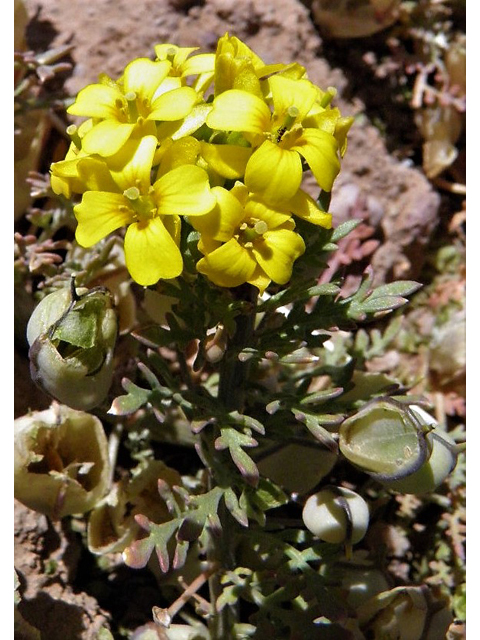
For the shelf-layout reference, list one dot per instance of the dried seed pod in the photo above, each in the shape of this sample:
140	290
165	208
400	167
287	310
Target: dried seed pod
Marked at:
386	439
61	463
72	335
336	515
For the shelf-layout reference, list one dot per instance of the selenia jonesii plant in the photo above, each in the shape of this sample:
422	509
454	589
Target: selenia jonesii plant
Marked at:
197	162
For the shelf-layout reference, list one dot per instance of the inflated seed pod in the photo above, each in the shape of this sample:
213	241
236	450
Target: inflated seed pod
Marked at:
296	467
434	471
386	439
336	515
407	612
61	464
72	335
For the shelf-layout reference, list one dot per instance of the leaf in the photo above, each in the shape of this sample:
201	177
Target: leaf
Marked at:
127	404
234	441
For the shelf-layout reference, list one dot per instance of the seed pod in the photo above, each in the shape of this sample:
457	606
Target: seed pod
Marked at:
336	515
434	471
61	463
283	465
386	439
72	334
112	525
412	613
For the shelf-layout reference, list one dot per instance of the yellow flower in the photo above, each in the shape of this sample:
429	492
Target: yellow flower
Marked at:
280	140
245	240
134	103
125	197
184	65
238	67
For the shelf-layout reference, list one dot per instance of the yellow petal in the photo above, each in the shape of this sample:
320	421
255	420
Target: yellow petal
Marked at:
99	214
257	208
174	105
223	220
237	110
228	266
131	166
304	206
227	160
143	77
95	175
151	253
277	253
184	191
97	101
201	63
274	172
107	137
287	93
320	150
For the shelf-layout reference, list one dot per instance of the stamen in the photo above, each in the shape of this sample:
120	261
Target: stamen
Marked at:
132	193
328	96
72	131
260	227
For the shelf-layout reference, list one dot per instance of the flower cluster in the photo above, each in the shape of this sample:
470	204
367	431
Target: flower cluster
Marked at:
219	142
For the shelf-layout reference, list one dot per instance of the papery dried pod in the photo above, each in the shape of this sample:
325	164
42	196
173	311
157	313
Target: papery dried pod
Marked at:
72	334
386	439
112	525
297	468
61	464
355	18
336	515
410	613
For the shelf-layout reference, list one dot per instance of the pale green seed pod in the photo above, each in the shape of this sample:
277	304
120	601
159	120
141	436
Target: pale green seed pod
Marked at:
410	613
357	581
386	439
72	335
61	464
434	471
336	515
296	467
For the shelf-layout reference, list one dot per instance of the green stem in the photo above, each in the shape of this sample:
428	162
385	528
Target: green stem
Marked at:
233	372
231	394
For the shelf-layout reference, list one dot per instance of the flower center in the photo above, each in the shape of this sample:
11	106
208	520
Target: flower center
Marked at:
288	121
143	206
250	231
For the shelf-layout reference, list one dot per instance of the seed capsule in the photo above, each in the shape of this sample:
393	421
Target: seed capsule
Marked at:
72	334
386	439
61	464
336	515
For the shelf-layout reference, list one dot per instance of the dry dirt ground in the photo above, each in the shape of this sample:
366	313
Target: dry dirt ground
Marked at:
381	181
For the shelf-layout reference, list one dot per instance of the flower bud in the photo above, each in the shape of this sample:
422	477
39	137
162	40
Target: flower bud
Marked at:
336	515
72	335
61	463
386	439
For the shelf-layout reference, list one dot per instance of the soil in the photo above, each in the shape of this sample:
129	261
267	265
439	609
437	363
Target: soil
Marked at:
381	182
